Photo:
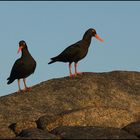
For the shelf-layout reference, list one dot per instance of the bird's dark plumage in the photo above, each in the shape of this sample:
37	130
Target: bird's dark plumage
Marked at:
77	51
24	66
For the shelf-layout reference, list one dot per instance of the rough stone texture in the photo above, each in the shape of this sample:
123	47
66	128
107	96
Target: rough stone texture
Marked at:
49	122
109	99
90	116
6	132
36	134
78	132
133	128
21	125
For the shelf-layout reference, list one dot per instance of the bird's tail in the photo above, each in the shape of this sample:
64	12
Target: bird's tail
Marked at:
52	60
10	80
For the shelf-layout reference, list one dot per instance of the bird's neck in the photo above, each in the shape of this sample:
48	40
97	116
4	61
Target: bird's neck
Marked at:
25	53
87	39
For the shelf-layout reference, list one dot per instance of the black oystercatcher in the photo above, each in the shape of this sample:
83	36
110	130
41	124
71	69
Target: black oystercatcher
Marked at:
23	67
77	51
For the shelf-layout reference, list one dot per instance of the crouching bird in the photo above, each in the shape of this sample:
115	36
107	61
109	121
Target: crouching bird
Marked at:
76	51
23	67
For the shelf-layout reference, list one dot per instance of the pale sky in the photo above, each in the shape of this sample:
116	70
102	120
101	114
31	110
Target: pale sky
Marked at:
49	27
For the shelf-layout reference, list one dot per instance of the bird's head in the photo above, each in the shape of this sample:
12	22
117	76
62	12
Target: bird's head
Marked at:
22	45
93	33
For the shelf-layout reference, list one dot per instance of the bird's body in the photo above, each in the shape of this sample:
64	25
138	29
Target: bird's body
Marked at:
23	67
73	53
77	51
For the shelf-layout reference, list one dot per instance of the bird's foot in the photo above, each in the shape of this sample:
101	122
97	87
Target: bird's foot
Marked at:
76	74
19	91
79	73
72	75
27	89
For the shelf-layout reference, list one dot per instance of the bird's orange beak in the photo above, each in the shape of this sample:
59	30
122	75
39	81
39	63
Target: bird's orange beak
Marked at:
97	37
19	50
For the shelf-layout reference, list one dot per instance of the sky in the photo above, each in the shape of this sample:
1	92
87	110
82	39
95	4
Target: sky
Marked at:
49	27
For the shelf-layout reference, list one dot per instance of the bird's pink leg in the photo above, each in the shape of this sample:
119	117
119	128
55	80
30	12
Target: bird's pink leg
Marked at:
26	88
77	73
19	86
70	67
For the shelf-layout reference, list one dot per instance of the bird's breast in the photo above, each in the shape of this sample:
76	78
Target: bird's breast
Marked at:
29	64
80	54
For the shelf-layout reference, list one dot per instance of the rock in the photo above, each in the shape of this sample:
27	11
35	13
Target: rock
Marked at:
36	134
6	132
133	128
90	116
48	122
108	99
21	125
78	132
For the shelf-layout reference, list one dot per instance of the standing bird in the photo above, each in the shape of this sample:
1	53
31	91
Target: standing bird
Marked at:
23	67
77	51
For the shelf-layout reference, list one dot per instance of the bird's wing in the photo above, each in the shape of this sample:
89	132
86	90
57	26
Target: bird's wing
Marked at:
70	51
17	68
34	67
